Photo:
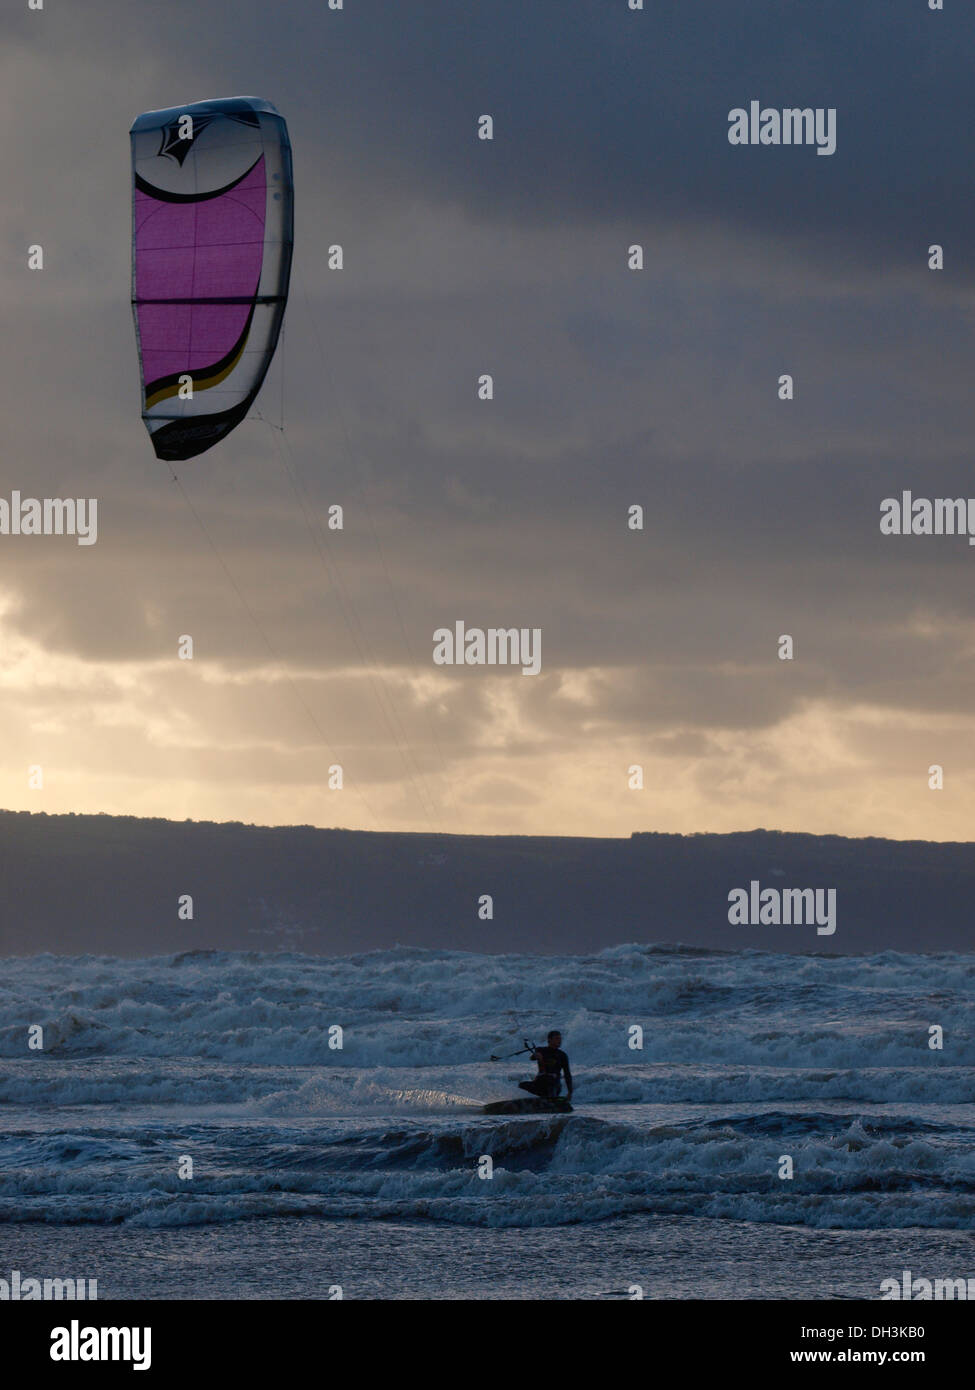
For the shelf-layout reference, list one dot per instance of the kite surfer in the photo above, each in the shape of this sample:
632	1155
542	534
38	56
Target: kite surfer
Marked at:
552	1065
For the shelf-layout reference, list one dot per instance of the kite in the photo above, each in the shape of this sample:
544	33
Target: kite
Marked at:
212	234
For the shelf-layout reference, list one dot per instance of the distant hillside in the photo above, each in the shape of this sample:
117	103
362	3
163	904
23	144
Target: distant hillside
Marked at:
111	884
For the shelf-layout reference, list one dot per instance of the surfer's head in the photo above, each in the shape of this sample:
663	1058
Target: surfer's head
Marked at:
555	1038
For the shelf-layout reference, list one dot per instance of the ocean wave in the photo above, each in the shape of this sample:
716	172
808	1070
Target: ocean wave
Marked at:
409	1008
849	1170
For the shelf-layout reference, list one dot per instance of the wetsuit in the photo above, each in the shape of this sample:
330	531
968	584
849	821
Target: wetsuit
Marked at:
552	1062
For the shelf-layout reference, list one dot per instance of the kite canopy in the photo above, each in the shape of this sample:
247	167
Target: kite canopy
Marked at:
212	228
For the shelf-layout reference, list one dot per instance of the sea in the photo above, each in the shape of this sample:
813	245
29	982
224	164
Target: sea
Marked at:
246	1125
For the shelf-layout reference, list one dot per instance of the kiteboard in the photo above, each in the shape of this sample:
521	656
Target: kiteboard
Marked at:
529	1105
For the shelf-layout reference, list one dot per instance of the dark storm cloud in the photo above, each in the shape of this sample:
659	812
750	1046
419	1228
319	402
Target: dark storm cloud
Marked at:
599	109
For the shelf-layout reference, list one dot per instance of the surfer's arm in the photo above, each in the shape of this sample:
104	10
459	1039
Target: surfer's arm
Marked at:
568	1077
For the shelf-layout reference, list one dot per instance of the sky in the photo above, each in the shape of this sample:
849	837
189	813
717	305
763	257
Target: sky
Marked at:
613	388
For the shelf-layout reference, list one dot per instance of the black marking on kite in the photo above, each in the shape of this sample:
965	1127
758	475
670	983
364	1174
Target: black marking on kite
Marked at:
184	439
218	299
176	146
165	196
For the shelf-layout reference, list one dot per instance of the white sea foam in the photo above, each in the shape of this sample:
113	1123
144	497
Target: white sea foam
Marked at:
419	1008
